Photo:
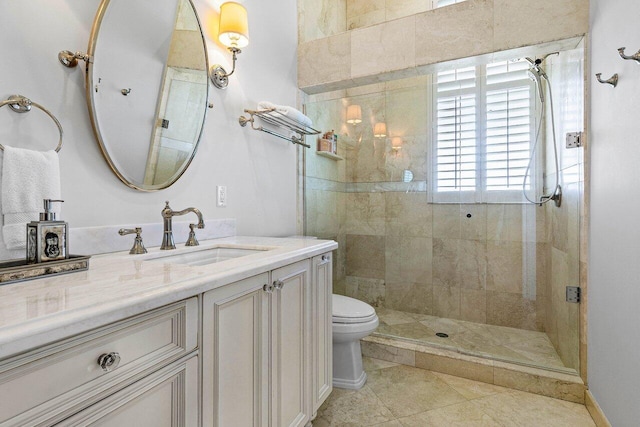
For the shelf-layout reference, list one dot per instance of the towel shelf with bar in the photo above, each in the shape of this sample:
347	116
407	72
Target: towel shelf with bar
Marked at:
281	121
22	104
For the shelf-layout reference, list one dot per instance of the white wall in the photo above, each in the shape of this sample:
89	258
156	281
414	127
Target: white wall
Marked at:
614	281
258	170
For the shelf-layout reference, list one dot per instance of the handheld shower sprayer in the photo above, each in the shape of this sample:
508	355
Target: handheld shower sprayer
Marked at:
536	73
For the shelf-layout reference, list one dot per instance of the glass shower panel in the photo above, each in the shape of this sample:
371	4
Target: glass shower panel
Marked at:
490	276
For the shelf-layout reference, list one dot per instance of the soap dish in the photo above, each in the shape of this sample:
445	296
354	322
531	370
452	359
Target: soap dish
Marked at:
17	270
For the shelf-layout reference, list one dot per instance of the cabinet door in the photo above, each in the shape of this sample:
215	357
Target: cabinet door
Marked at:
168	397
290	345
321	322
234	354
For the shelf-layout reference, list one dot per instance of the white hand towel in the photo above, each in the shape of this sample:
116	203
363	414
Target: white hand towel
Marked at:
290	112
28	177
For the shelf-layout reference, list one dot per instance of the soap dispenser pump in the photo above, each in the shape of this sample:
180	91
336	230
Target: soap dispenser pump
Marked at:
47	239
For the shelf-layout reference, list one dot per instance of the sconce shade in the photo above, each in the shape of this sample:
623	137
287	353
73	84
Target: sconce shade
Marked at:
354	114
380	130
234	27
396	143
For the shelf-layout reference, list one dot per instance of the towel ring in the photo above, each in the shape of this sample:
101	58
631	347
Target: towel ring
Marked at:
22	104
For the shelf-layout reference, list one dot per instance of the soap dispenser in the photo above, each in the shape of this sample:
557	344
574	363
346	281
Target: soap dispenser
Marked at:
47	239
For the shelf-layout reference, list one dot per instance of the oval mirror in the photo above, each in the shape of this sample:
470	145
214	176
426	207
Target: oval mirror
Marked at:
147	88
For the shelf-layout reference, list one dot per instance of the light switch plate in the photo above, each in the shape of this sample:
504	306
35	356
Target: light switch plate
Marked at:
221	199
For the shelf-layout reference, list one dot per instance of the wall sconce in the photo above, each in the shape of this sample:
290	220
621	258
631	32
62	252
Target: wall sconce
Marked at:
234	34
354	114
380	130
396	144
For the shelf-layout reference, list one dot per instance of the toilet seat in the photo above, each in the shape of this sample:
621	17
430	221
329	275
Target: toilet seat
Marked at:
350	310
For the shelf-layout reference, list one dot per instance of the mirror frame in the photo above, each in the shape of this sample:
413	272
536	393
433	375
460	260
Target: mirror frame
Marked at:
95	30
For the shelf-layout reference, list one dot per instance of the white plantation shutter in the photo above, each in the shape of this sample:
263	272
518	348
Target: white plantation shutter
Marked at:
456	117
456	152
483	133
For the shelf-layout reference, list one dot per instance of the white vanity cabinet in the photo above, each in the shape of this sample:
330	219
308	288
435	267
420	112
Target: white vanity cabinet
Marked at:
221	351
258	339
51	383
322	329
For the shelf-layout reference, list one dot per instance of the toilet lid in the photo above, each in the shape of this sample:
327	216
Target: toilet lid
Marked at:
351	310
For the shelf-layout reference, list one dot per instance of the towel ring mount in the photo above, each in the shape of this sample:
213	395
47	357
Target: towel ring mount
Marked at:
22	104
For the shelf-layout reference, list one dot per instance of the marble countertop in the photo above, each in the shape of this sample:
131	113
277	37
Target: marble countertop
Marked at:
120	285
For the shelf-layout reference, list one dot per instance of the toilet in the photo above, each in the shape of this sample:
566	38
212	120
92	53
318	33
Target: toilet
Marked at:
352	320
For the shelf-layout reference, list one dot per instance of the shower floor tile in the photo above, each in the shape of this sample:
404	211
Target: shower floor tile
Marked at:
495	342
398	395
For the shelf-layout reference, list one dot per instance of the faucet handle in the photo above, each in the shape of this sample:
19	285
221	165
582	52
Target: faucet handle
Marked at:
192	241
138	246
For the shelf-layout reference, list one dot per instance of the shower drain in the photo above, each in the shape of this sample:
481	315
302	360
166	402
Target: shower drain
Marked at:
442	335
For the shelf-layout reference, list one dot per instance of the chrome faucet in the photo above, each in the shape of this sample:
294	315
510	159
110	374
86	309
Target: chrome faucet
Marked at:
167	215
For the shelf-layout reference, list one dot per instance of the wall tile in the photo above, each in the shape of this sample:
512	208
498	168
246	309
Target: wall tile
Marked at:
371	291
518	23
446	221
473	222
366	256
446	301
408	259
362	13
324	60
507	309
400	8
445	262
408	214
383	48
473	305
410	297
461	30
317	19
504	266
365	213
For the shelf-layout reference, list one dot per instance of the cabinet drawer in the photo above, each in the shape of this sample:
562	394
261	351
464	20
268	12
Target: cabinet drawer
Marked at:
168	398
57	380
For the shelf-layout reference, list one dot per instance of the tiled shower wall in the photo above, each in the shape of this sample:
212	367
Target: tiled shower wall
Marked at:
502	264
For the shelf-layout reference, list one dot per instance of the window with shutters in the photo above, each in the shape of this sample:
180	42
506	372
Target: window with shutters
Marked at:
484	128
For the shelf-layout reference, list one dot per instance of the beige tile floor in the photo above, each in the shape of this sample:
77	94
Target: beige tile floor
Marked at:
496	342
398	395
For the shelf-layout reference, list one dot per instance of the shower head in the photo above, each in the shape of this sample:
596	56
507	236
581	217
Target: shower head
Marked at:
535	73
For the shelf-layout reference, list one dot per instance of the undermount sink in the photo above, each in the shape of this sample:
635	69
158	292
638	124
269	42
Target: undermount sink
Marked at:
207	255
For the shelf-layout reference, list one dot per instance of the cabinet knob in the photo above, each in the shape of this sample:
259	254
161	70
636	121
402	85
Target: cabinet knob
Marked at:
278	284
267	288
109	361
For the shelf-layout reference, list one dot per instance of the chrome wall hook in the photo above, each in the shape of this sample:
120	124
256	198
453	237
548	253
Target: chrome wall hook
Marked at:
635	56
613	80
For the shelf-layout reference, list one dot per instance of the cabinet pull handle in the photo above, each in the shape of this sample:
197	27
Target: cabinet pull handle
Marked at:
278	284
109	361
